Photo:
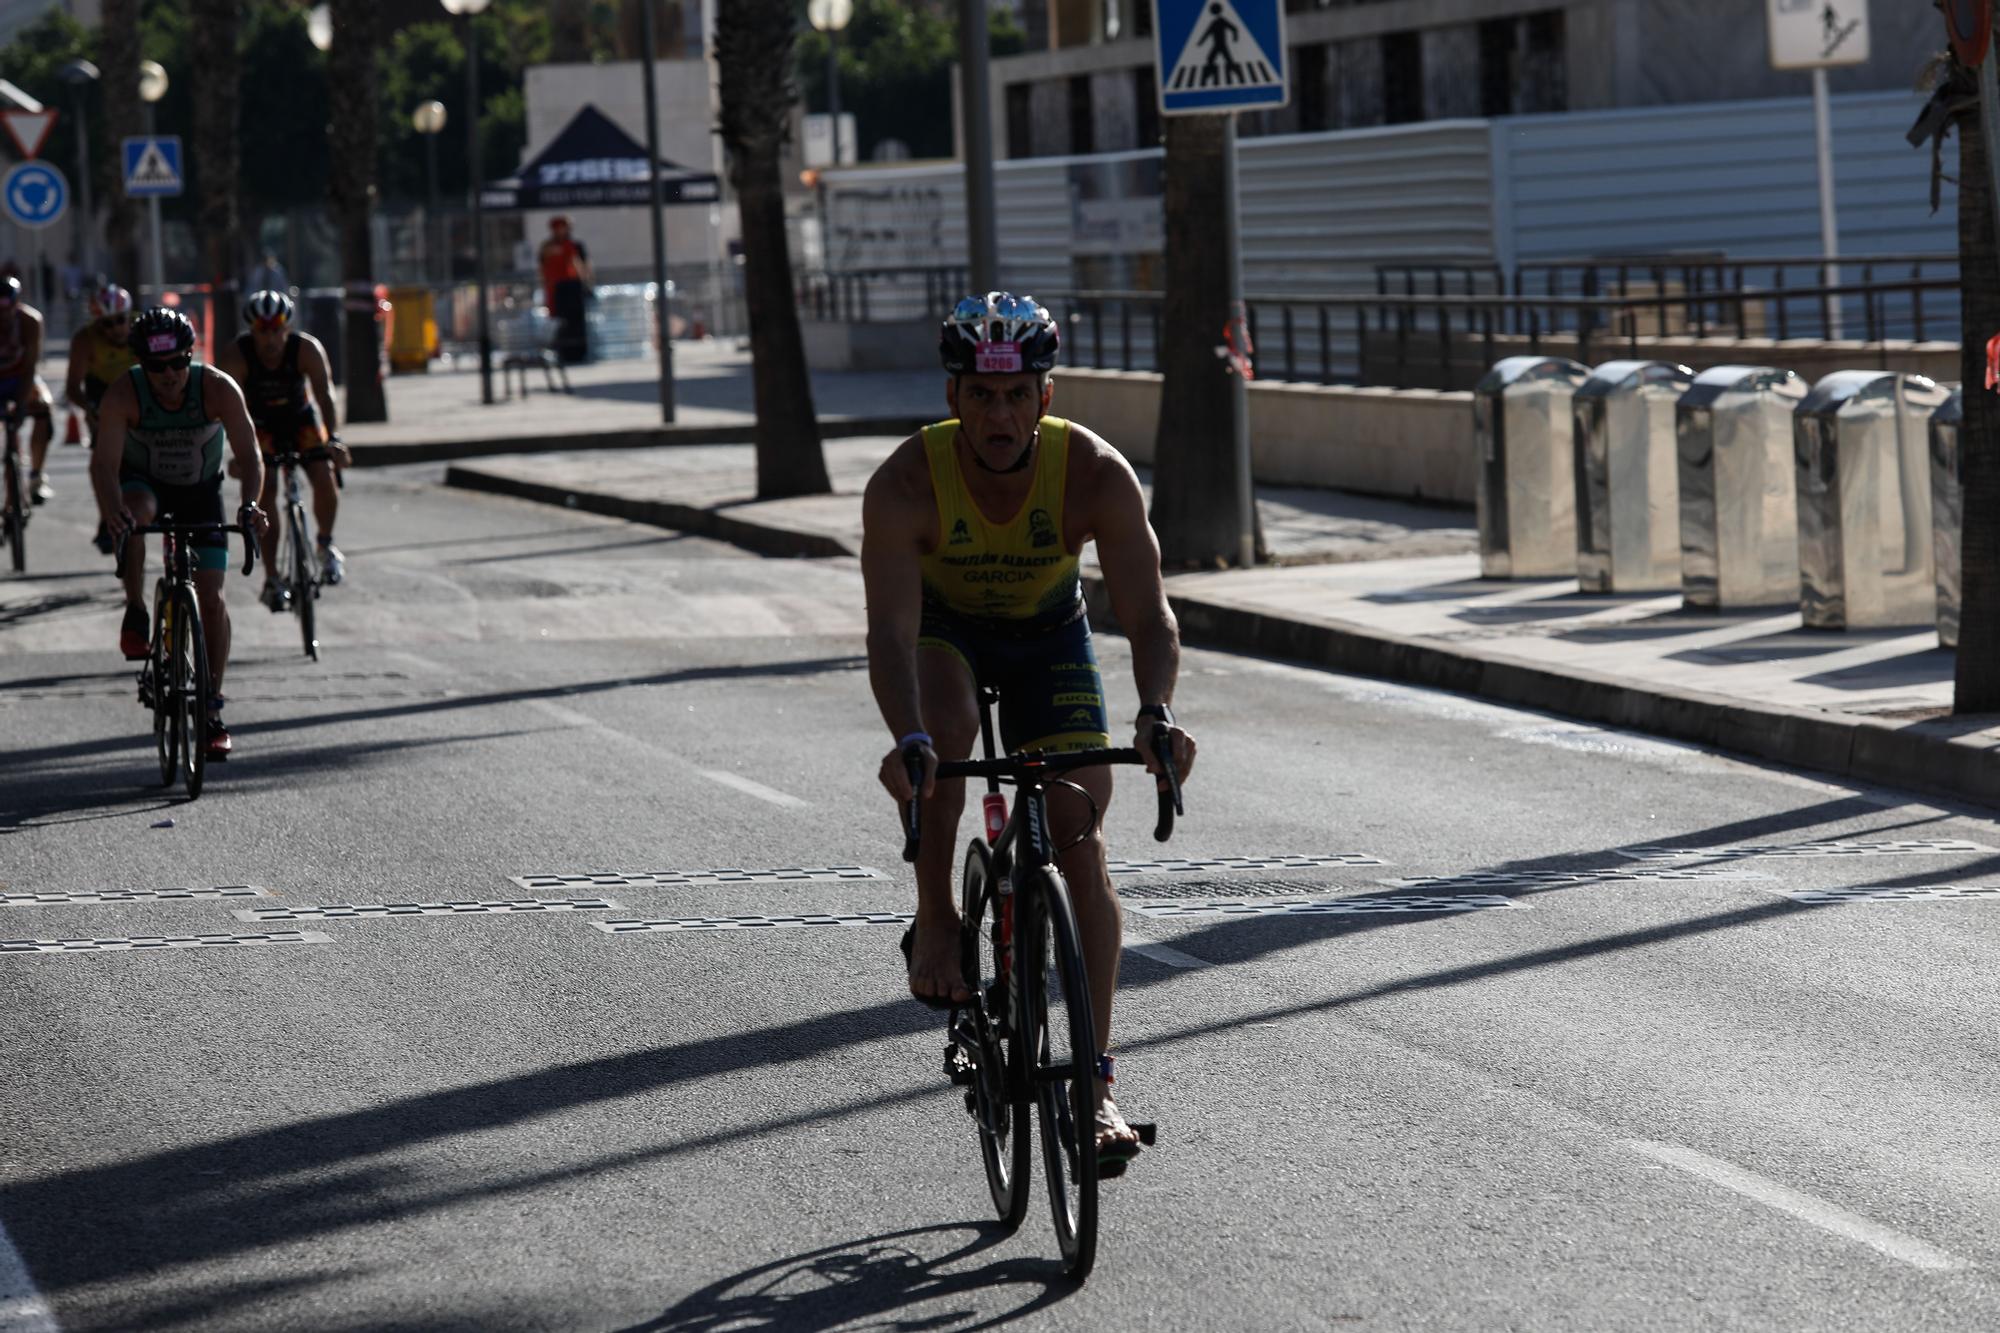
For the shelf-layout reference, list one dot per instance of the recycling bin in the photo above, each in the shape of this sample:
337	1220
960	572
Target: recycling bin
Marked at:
1739	507
1627	492
1859	442
1526	496
1947	512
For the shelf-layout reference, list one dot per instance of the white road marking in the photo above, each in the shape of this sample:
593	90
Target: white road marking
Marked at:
22	1306
1807	1208
749	788
419	661
1162	953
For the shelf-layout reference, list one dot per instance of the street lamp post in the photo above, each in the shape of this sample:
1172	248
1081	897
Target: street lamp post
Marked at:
467	10
829	17
662	309
152	87
429	118
79	75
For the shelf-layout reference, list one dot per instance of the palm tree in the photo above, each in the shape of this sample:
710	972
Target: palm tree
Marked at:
215	140
1194	470
351	74
119	82
753	53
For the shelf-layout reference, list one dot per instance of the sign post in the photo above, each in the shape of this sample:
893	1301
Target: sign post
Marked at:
1818	35
153	172
1220	57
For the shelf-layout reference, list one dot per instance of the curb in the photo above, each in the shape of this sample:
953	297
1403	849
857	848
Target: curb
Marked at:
383	454
759	538
1851	747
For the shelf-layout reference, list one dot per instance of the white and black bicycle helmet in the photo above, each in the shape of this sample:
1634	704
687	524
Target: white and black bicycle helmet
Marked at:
272	309
109	300
998	334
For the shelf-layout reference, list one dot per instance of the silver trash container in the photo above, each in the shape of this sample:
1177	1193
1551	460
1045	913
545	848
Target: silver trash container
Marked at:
1860	452
1527	498
1627	491
1739	514
1947	512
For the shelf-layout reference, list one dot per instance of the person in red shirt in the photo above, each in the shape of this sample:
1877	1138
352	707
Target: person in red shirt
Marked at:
565	287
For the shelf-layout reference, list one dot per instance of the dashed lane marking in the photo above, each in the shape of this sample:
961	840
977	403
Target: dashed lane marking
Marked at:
1517	879
737	782
1162	953
1175	866
115	945
756	922
352	911
1360	905
1902	893
1740	851
88	896
668	879
1818	1212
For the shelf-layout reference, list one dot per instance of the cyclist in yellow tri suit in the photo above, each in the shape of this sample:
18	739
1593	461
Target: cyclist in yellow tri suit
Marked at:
972	530
100	353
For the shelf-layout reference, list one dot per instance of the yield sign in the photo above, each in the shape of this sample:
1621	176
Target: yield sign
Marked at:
28	129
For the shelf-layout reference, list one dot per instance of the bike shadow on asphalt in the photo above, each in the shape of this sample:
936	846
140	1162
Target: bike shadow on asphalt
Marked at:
861	1282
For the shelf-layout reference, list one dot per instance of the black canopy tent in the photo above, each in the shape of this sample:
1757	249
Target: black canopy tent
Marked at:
595	164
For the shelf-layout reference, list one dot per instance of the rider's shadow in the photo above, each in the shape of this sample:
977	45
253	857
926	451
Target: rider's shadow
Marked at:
870	1280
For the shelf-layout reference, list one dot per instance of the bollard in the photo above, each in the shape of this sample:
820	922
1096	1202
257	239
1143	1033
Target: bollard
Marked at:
1859	450
1947	511
1627	488
1526	494
1739	506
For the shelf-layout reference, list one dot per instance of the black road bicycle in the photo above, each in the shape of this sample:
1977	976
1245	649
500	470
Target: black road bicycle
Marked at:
14	514
1027	1037
174	682
298	574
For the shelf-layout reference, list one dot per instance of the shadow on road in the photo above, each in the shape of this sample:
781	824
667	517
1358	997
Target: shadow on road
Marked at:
867	1282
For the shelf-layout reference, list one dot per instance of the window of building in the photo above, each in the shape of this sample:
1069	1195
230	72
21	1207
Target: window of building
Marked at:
1020	122
1402	78
1142	18
1496	66
1309	87
1544	83
1082	127
1146	103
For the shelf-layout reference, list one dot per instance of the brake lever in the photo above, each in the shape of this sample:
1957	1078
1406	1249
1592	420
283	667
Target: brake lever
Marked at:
1170	795
913	764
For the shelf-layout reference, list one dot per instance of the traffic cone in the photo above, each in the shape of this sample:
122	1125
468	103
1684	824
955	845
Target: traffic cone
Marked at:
73	432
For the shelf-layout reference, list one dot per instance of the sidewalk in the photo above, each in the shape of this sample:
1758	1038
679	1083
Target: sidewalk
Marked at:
616	405
1393	590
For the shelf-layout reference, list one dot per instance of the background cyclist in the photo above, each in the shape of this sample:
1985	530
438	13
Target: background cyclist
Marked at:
972	530
20	385
289	388
98	354
161	432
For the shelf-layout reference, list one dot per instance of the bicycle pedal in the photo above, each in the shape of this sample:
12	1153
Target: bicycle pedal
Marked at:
1146	1132
960	1070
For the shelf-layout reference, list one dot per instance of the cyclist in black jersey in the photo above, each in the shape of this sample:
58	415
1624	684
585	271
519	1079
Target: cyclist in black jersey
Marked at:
288	385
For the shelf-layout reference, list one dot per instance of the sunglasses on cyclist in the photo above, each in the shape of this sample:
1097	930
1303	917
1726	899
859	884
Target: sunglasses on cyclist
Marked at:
168	366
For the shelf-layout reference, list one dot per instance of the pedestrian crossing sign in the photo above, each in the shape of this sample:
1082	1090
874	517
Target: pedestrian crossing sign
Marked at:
1221	55
152	165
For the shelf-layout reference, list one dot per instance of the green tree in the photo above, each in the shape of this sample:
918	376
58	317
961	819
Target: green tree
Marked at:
33	62
895	71
753	52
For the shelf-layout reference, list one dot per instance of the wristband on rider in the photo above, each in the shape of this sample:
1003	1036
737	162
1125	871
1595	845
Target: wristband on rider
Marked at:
914	738
1159	712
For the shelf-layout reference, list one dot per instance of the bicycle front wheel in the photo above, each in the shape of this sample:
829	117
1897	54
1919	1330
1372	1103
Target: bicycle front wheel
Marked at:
1003	1132
1065	1071
305	588
191	652
16	517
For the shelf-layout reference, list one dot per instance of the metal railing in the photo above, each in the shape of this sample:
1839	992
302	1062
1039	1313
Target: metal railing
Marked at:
1431	341
865	296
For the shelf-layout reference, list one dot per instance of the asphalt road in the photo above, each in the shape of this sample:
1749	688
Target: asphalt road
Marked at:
1558	1098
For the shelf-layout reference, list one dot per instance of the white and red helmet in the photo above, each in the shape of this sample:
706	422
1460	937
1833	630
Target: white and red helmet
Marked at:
109	300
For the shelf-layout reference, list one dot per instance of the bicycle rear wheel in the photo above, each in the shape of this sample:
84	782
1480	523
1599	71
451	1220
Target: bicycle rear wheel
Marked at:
304	585
160	670
1064	1069
1003	1133
16	516
187	612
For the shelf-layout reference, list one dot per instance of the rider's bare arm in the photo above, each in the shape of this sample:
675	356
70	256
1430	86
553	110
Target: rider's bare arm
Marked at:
1129	555
896	515
223	401
117	413
79	363
312	360
31	339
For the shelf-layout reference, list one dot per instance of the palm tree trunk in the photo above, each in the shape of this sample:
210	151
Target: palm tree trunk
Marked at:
215	140
351	73
1978	669
1194	468
753	49
569	32
118	82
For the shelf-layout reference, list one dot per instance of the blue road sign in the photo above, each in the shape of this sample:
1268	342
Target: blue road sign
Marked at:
1221	55
153	166
34	194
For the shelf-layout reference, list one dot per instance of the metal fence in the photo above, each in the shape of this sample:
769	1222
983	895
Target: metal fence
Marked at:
872	295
